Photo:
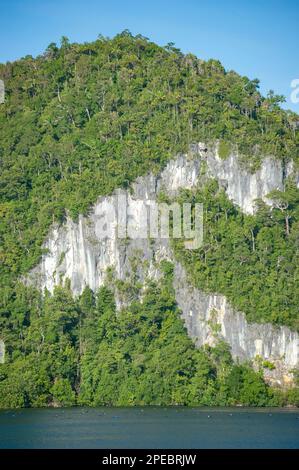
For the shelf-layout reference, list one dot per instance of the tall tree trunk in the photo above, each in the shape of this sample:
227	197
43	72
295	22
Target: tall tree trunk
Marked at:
287	218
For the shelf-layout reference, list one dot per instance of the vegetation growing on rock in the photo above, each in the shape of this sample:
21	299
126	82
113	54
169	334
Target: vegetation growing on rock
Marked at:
83	119
82	352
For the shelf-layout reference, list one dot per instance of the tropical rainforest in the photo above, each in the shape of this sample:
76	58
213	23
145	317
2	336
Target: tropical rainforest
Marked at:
79	121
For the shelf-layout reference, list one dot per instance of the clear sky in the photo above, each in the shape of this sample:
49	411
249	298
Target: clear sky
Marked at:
257	38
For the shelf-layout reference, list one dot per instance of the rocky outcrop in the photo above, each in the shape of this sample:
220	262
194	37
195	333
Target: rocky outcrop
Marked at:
78	251
209	318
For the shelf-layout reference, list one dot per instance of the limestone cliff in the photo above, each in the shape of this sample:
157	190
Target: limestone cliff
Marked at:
75	251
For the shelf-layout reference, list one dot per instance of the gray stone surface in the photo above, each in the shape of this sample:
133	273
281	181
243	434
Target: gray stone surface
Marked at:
76	252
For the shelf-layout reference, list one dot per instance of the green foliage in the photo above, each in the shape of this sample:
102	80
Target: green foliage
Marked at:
62	392
146	357
82	119
42	349
253	260
268	365
246	387
224	149
79	121
83	352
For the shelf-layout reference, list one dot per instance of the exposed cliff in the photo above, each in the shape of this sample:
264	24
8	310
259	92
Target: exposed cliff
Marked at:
76	252
210	317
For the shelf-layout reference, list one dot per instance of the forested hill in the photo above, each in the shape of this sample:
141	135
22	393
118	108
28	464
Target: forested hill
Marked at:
82	119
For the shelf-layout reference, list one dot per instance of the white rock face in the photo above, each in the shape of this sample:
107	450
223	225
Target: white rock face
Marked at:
242	187
209	317
78	252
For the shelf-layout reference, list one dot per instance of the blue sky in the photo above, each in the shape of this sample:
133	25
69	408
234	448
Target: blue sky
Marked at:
256	38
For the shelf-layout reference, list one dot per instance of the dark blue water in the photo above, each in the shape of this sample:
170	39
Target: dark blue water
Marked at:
149	428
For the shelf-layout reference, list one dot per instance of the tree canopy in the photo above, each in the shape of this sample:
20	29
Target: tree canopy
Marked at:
79	121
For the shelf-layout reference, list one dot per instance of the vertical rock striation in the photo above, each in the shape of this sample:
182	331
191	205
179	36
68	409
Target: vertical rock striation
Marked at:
77	252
